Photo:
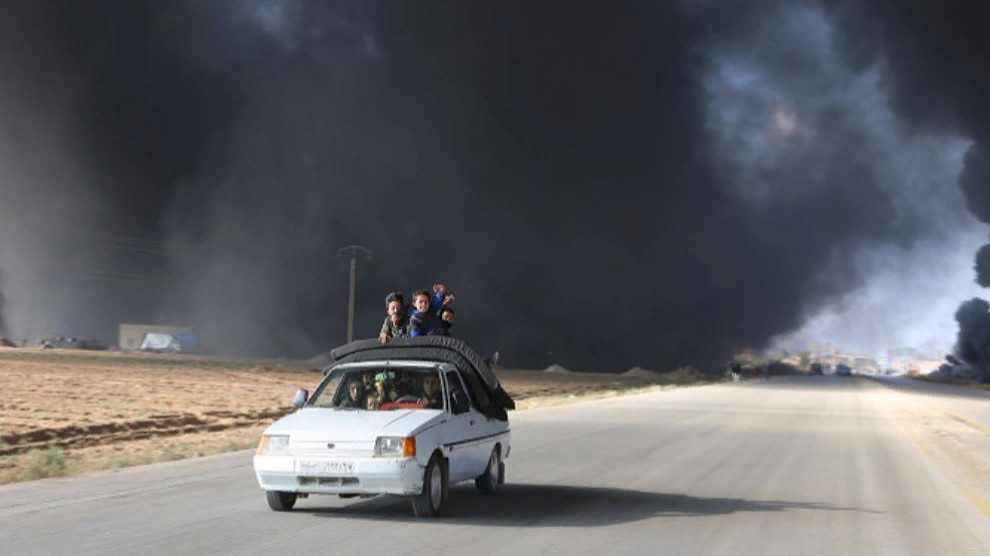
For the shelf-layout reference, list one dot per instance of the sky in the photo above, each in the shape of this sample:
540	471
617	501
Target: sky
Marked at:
602	185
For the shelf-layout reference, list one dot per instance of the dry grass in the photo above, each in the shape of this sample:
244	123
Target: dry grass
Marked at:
65	413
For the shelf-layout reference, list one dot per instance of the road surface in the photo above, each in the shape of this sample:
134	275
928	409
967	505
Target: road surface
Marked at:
797	465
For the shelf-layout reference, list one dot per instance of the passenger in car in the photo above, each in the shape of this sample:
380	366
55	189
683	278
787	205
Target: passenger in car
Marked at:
422	320
368	380
355	395
447	319
432	395
396	322
371	402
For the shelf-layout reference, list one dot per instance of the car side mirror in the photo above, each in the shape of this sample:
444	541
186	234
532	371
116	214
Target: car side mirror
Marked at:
459	402
301	396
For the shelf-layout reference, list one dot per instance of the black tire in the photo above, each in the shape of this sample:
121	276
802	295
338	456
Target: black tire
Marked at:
280	501
488	481
431	502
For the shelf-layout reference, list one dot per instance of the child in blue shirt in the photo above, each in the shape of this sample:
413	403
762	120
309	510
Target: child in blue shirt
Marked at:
423	318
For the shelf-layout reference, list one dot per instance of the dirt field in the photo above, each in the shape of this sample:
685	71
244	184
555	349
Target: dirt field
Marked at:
69	412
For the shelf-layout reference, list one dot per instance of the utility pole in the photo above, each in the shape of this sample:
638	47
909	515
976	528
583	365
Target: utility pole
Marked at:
353	251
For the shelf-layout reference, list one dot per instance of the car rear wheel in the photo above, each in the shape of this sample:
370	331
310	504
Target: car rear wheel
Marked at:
488	481
280	501
430	502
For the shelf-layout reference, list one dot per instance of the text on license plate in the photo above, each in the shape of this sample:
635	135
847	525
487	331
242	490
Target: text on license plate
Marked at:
325	466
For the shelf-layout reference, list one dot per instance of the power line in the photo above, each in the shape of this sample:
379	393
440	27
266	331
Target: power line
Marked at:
117	241
123	247
98	238
110	279
123	238
107	273
103	275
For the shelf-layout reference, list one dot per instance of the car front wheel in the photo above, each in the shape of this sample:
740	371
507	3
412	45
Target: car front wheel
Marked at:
280	501
430	502
488	481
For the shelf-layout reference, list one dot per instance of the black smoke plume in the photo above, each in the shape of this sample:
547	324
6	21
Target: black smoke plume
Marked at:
936	55
972	344
557	164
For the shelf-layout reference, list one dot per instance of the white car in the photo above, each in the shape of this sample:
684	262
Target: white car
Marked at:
436	417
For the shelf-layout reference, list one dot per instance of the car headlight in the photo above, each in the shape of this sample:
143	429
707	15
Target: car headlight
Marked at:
273	443
395	446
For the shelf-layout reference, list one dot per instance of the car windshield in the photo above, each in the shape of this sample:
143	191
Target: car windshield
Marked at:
380	389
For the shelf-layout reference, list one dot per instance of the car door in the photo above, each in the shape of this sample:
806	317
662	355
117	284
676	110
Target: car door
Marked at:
462	432
484	433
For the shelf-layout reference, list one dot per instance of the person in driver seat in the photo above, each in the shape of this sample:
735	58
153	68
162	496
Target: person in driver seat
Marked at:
432	395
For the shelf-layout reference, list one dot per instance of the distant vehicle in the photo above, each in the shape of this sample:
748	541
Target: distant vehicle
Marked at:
816	369
843	370
416	443
160	342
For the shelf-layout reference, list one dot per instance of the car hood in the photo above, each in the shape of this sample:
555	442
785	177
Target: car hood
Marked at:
355	423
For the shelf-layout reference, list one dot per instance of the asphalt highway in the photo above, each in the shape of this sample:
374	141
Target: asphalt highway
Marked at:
798	465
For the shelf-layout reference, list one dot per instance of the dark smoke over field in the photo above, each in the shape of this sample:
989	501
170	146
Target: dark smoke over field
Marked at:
603	184
973	317
937	57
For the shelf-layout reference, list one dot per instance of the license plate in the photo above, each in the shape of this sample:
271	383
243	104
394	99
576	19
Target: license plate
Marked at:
334	467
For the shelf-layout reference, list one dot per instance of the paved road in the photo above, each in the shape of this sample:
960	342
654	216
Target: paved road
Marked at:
973	404
813	465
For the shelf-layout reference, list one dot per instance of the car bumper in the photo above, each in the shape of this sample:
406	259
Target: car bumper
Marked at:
403	476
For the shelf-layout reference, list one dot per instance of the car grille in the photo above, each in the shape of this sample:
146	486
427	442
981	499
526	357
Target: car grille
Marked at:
340	448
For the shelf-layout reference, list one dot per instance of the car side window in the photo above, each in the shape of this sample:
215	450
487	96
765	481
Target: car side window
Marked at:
475	390
454	384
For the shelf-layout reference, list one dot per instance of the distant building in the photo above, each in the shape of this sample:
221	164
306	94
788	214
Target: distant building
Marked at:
131	335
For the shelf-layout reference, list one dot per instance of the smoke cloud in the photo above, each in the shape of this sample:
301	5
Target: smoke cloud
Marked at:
973	317
935	62
602	185
43	185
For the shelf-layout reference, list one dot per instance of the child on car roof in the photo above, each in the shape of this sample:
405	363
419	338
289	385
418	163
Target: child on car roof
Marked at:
447	319
423	318
396	321
441	298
